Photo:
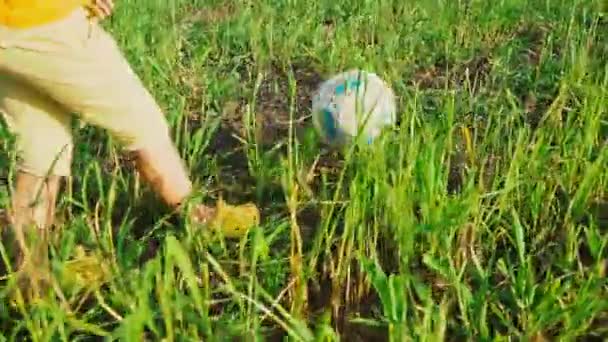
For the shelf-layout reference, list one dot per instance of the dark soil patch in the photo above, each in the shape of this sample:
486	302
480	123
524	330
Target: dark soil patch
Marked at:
461	163
534	103
599	213
274	102
533	36
325	296
445	73
271	112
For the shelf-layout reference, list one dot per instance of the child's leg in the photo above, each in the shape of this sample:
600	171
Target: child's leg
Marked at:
44	145
79	65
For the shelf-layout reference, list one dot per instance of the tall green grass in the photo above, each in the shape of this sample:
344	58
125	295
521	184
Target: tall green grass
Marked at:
478	218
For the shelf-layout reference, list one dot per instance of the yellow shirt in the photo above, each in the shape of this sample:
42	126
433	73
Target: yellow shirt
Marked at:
30	13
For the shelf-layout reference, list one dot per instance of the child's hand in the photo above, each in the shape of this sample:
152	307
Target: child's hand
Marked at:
101	9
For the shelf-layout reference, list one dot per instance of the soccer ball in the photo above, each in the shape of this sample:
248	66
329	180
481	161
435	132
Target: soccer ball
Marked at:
352	104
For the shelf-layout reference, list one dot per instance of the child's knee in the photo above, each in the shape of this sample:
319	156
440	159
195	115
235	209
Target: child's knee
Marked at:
49	155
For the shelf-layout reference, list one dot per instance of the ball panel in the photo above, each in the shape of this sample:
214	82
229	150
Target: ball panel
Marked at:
329	125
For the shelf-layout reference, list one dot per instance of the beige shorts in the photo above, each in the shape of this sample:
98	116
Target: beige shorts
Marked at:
73	66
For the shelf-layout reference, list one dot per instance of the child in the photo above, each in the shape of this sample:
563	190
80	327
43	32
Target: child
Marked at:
56	60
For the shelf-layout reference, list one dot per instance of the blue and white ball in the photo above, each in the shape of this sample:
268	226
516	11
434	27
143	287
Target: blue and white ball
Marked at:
350	104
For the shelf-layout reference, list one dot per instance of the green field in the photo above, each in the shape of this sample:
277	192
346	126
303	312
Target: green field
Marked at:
482	216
